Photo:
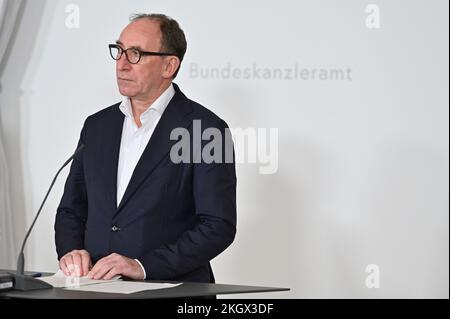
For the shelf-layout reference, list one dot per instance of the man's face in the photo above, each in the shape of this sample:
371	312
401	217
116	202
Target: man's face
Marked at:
141	80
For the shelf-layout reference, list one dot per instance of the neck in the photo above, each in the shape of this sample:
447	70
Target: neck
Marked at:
140	104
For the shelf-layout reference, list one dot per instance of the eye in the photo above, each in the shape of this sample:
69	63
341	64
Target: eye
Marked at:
116	51
135	53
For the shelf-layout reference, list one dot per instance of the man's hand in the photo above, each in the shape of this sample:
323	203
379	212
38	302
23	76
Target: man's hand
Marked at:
116	264
76	263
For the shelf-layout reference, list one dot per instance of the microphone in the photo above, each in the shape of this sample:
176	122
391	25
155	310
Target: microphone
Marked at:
22	281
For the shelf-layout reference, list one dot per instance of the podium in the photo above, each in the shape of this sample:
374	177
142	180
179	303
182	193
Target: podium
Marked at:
185	290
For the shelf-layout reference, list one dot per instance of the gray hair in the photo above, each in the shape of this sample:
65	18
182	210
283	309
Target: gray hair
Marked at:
173	39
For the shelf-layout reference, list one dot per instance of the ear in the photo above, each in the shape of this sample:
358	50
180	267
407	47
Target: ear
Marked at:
170	66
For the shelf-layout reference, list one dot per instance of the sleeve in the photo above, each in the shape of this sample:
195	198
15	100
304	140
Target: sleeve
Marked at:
71	213
142	267
214	186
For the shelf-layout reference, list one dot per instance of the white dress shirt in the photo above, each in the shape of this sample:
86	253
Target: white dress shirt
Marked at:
135	139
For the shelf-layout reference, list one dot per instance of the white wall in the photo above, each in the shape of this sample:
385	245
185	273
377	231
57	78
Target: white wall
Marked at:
363	161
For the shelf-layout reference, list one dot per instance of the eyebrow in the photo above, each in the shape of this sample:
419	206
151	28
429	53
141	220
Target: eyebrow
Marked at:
133	47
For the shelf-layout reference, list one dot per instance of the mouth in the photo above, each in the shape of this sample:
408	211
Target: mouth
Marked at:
123	79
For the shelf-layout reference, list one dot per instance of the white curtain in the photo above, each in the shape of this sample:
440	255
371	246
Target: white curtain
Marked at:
9	10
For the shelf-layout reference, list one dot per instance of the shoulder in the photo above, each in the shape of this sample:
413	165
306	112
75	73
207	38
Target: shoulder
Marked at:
207	116
105	114
198	112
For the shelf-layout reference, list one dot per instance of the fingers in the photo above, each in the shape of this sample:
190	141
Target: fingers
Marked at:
63	265
102	267
113	272
75	270
75	263
85	262
115	264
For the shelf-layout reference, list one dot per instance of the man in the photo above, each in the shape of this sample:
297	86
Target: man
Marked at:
127	207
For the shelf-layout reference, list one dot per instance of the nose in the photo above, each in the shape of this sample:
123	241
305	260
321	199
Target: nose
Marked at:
122	64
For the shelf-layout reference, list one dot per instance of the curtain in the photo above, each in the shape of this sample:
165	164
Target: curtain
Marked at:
9	10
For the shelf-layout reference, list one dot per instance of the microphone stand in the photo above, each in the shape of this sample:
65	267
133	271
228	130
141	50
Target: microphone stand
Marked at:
22	281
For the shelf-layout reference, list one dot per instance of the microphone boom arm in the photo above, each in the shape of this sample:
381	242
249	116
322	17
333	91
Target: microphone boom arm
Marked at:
22	282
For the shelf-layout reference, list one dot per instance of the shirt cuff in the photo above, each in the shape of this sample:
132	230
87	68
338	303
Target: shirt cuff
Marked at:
143	269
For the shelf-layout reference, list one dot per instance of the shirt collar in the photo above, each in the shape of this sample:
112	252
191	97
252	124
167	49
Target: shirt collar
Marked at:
158	106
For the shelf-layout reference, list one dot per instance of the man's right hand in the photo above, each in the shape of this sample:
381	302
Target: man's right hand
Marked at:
76	263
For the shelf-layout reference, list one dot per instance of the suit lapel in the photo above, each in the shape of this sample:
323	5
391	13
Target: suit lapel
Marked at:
159	144
111	155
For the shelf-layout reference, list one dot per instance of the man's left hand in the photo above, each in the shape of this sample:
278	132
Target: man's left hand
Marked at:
116	264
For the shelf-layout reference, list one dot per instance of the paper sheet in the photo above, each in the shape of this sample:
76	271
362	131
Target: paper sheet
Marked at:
124	287
115	285
60	280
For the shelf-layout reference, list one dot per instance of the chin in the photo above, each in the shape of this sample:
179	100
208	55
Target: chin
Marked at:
127	92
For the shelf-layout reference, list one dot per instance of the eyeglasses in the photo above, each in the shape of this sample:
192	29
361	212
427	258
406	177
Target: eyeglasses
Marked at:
133	55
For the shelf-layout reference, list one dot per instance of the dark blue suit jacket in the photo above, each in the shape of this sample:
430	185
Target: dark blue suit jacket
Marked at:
174	218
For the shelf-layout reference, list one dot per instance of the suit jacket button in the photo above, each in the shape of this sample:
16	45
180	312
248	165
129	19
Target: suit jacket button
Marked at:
115	228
